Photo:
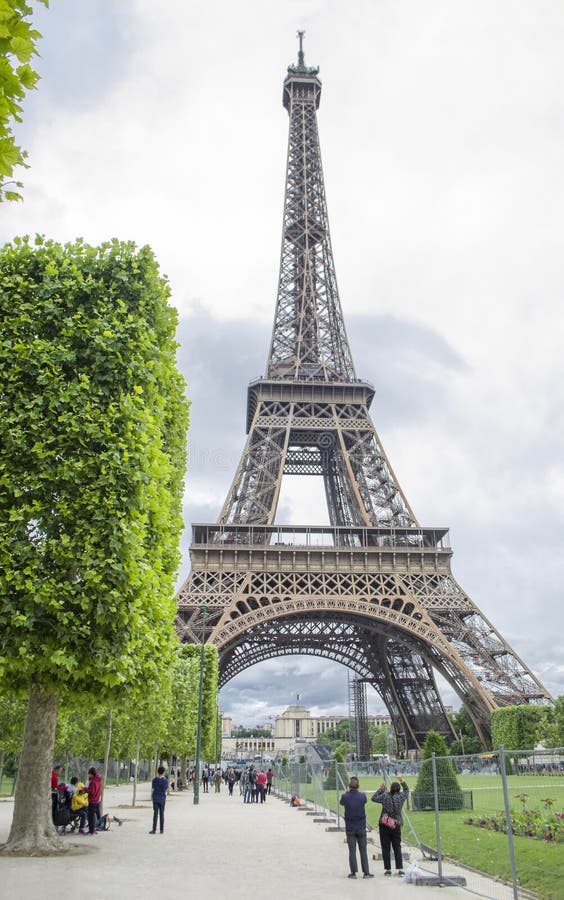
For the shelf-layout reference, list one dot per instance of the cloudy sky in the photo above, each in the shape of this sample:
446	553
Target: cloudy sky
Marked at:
442	131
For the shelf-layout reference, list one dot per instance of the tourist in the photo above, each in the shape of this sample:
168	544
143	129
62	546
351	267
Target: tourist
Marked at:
269	779
354	802
94	791
159	788
205	779
244	788
261	787
231	779
390	822
55	773
78	803
217	780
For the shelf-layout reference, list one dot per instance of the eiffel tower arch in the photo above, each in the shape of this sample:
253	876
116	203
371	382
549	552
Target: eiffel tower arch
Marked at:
374	589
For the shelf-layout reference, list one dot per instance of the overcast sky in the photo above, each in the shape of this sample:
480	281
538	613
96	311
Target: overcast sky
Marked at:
442	132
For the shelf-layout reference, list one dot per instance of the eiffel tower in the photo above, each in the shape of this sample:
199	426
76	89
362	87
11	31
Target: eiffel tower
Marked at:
374	589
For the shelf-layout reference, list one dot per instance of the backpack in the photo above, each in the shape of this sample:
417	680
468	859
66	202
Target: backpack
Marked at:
61	810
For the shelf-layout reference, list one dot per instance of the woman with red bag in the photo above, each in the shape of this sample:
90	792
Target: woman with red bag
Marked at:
390	822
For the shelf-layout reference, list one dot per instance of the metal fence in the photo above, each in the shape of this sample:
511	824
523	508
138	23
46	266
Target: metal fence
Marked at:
494	821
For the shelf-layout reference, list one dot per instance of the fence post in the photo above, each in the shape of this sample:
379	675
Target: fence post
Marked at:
437	818
501	753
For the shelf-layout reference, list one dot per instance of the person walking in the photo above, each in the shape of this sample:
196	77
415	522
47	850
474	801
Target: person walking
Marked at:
217	779
391	821
269	779
354	802
94	791
159	788
205	779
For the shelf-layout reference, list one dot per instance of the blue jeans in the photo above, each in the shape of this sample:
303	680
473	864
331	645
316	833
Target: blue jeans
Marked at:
158	811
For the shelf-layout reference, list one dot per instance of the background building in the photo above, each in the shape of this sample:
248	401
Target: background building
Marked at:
293	727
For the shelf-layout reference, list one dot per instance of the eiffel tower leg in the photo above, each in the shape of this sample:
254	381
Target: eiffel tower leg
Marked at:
406	683
253	496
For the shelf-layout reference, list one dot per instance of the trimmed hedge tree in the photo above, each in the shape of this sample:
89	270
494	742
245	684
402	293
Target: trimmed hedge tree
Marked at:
449	791
92	457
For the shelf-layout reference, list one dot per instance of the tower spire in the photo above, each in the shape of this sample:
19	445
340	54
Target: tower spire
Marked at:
301	62
309	342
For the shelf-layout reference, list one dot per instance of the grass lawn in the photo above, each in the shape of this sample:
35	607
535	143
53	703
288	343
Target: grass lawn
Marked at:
540	865
6	787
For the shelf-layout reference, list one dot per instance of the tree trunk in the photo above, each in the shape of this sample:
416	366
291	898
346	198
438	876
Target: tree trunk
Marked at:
1	768
136	772
32	832
106	759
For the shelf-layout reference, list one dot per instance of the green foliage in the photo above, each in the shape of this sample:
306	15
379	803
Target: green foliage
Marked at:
434	743
334	781
450	794
12	716
378	739
543	825
551	729
92	455
18	41
209	698
468	740
518	727
180	736
251	732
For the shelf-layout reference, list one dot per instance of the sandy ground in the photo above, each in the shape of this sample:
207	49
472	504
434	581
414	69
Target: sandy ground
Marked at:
221	847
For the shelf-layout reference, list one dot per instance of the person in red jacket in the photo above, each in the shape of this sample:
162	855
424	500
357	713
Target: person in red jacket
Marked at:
261	786
55	772
94	791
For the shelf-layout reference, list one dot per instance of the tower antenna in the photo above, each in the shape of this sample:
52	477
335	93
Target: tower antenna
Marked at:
301	50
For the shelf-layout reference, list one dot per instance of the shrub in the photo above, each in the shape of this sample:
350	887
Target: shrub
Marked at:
449	791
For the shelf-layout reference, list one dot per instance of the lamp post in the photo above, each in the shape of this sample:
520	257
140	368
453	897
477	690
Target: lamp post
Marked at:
204	611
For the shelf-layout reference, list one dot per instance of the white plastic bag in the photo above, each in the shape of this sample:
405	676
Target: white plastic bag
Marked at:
412	873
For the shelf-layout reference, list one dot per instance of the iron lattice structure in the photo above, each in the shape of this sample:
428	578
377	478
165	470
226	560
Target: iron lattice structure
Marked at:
358	719
374	590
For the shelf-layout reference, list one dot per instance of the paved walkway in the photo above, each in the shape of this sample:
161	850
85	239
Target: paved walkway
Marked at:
220	848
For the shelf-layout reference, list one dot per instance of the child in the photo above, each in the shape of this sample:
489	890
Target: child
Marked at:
79	802
159	787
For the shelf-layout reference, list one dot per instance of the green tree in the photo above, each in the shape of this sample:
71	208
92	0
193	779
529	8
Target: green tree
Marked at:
449	791
18	43
92	455
551	730
337	775
468	740
180	735
378	739
518	727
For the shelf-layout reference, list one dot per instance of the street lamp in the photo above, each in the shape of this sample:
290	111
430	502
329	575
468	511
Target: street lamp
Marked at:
204	612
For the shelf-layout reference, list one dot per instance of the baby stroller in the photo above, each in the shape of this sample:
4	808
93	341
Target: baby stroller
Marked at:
61	809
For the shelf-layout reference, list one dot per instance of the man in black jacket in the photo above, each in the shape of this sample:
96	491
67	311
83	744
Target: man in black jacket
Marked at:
354	802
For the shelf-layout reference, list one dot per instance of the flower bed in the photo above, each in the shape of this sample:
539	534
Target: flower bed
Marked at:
542	825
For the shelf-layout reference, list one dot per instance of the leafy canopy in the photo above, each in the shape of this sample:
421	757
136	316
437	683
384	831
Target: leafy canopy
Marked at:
18	40
518	727
92	456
